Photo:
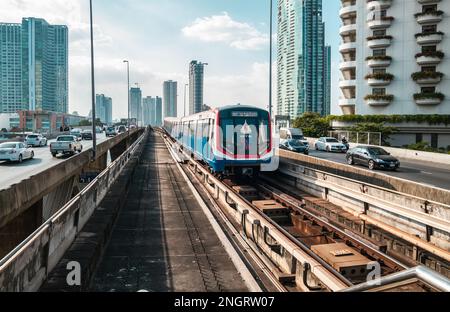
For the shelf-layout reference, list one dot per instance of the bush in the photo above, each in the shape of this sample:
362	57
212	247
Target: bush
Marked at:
313	125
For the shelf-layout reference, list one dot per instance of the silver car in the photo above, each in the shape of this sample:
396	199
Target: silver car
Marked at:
36	140
329	144
15	151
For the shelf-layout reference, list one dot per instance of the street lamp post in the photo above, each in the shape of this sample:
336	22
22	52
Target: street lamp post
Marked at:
270	58
94	132
185	92
128	92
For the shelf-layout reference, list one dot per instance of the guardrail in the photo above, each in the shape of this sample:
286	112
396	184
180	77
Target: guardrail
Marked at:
423	223
27	266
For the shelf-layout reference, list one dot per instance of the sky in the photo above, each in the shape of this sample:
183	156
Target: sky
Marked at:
161	37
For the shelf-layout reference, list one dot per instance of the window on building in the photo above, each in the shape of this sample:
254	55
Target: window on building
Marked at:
419	137
434	140
379	91
431	69
379	70
428	89
381	32
429	28
379	52
429	8
427	49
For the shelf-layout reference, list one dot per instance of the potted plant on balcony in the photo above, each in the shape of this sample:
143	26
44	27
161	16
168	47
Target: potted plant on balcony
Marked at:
426	76
429	98
380	76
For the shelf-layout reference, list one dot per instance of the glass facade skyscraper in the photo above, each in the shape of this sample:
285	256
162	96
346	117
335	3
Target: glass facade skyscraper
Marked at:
196	79
103	108
36	53
152	108
170	95
136	105
302	67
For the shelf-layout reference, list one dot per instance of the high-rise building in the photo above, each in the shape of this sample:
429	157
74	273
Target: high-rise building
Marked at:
395	57
103	108
136	105
158	119
196	79
302	67
152	108
327	80
170	95
10	68
36	53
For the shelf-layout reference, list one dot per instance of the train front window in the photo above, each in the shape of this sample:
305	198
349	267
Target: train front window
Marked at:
245	135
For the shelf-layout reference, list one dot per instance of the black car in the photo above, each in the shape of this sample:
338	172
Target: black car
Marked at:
295	146
373	157
87	135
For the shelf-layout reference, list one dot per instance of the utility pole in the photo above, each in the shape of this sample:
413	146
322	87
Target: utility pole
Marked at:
94	132
270	58
128	92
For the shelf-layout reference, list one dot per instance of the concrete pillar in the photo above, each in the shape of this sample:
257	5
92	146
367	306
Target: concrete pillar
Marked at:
98	165
20	228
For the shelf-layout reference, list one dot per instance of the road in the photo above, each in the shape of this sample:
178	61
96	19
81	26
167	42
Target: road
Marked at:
12	173
423	172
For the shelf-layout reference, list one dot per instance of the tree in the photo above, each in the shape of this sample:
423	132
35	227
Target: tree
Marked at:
313	125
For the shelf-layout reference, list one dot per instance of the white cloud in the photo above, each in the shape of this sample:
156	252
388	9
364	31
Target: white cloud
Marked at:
222	28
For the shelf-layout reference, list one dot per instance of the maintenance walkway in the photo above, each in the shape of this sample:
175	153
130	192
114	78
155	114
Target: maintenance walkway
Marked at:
161	240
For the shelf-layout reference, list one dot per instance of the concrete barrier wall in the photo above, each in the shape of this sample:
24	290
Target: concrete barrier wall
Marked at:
407	213
369	177
437	158
27	266
19	197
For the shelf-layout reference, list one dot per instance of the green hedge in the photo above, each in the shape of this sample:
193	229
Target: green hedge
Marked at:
431	119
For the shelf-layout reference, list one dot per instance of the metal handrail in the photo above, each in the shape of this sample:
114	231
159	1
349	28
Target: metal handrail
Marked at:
420	273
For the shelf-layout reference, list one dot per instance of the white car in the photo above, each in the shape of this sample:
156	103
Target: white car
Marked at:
329	144
36	140
15	151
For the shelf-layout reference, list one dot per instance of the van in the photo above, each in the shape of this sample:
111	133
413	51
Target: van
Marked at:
292	134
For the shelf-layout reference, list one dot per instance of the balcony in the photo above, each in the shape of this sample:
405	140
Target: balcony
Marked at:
429	38
378	61
427	78
347	65
379	4
347	29
380	23
376	42
348	11
379	80
379	100
347	102
347	47
430	17
347	84
429	58
428	98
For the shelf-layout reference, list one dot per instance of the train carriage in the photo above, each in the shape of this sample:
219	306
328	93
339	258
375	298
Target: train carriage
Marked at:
233	139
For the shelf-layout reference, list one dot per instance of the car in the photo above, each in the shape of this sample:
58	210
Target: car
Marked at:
87	135
66	144
98	130
111	131
122	129
36	140
372	156
295	146
292	134
76	132
15	151
329	144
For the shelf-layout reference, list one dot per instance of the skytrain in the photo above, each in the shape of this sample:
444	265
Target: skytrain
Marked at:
234	139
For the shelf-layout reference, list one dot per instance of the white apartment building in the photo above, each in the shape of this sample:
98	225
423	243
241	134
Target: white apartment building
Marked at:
395	57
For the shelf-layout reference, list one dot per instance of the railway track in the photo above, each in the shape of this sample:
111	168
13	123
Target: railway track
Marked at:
307	251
